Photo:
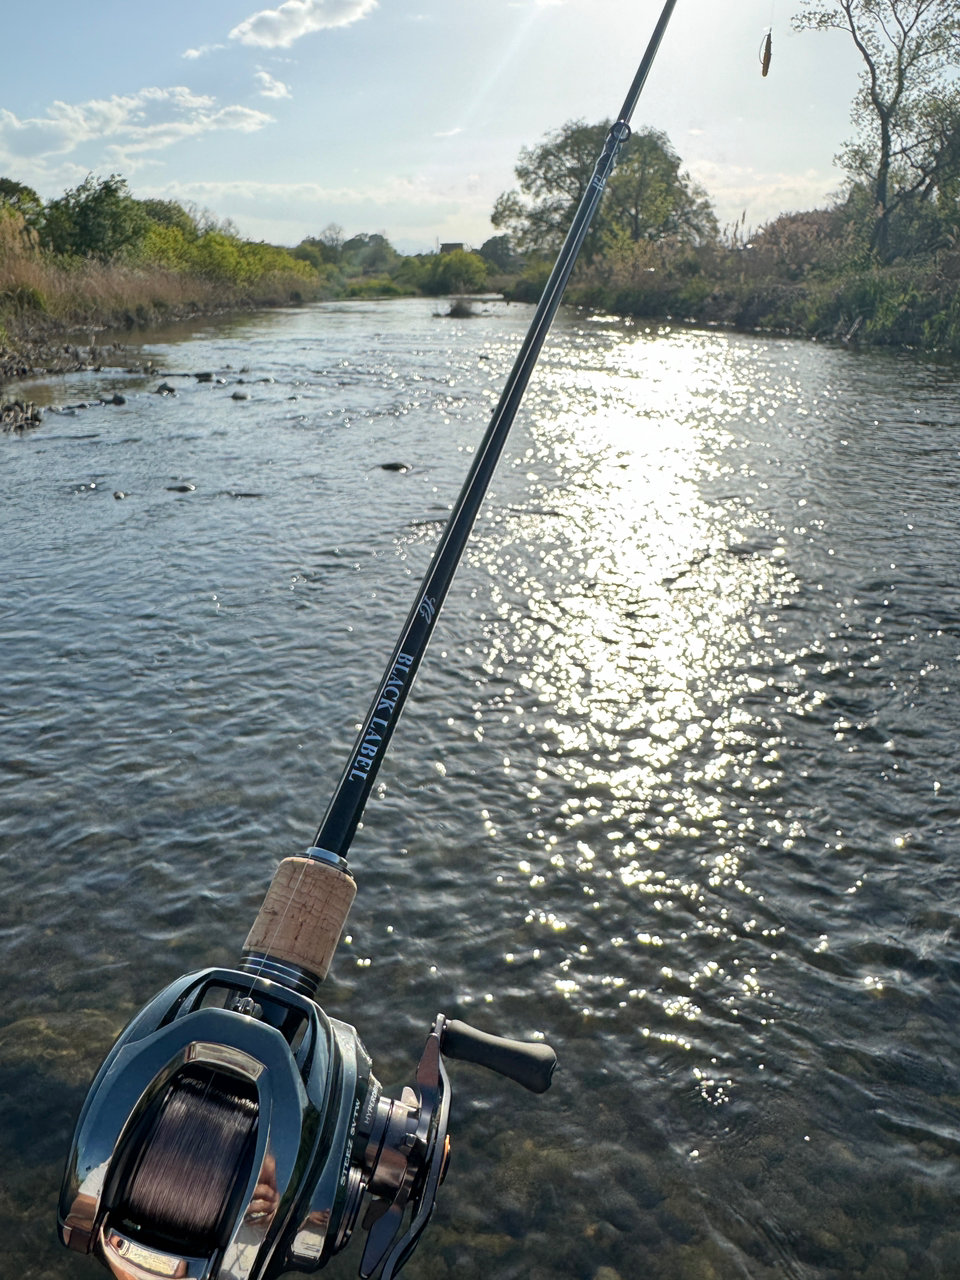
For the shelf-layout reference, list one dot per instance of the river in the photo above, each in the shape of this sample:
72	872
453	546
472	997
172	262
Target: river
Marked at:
677	789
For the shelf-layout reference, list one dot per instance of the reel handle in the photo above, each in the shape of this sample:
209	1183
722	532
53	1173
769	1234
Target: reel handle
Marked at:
529	1064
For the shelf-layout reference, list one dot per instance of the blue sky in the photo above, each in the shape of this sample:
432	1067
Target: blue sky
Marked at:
406	116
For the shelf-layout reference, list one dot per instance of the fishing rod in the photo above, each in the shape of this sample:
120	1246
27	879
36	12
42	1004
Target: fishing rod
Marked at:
235	1131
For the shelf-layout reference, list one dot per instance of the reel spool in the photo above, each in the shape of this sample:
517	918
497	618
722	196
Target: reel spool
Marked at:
183	1181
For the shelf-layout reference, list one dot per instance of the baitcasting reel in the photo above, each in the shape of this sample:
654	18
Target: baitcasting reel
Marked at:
234	1130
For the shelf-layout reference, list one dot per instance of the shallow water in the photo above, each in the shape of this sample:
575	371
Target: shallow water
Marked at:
677	789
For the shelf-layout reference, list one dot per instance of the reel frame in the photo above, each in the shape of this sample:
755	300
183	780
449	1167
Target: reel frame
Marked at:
324	1137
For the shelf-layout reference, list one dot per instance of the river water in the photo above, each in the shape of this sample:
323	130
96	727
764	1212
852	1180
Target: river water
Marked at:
677	789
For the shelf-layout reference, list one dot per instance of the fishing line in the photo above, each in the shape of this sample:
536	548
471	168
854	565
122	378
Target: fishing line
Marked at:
202	1132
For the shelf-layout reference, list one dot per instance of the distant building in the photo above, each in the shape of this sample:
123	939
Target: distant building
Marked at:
451	248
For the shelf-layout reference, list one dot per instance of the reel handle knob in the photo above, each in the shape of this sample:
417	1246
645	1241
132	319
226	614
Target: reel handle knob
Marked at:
530	1064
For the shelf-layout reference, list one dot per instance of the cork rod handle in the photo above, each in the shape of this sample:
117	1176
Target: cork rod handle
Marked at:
303	914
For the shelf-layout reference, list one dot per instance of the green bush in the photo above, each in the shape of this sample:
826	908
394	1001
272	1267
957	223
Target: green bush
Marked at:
97	219
456	272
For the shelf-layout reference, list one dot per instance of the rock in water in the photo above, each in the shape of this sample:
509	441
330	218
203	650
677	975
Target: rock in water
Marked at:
394	466
240	395
19	414
165	389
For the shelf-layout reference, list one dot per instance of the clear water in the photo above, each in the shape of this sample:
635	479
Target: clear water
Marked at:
677	790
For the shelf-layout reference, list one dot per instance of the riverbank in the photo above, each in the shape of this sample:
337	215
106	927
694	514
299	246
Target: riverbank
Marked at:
55	328
773	285
126	265
911	307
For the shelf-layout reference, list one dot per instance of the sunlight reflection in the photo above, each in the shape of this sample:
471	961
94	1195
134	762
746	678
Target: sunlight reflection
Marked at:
635	638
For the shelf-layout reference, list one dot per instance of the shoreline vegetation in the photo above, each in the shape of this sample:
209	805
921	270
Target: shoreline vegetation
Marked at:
881	267
799	276
97	259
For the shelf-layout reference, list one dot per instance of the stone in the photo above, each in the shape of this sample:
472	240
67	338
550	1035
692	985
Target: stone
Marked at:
240	395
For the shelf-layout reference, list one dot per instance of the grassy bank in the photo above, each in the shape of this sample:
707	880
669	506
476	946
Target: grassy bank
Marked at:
780	281
97	259
171	273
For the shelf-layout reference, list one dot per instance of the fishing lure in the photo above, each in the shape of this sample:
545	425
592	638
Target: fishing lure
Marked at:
766	53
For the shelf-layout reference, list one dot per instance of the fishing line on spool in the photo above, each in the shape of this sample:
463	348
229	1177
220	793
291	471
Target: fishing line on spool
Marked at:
188	1167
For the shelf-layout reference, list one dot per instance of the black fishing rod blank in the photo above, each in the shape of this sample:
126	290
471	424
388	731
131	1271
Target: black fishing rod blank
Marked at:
339	824
235	1131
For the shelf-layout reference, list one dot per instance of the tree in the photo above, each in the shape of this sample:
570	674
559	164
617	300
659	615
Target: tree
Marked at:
498	252
648	197
326	248
170	213
907	109
97	219
22	199
456	272
372	254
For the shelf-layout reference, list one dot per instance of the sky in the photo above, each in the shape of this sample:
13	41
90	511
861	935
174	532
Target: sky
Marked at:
407	116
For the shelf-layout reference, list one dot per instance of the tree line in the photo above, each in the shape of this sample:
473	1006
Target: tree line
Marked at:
884	257
100	220
883	260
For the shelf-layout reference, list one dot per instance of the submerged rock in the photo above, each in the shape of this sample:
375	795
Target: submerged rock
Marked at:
116	398
20	414
181	488
66	1047
165	389
240	395
394	466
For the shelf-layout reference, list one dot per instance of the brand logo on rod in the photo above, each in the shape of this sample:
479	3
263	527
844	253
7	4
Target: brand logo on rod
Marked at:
383	713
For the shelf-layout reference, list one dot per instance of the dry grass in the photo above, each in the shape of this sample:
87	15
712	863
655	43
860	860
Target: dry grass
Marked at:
41	295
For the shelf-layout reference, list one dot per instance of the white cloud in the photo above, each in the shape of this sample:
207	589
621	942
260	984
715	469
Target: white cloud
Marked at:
279	28
204	49
133	124
412	211
449	133
270	88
